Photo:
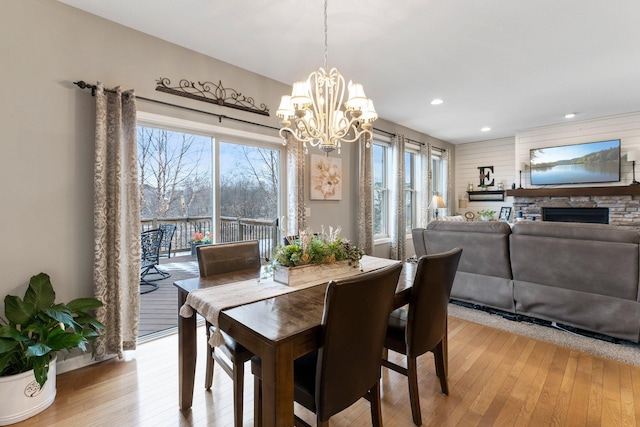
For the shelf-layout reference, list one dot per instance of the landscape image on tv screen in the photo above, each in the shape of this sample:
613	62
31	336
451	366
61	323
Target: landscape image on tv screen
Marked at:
575	164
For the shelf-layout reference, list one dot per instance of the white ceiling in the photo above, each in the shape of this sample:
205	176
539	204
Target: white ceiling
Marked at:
508	64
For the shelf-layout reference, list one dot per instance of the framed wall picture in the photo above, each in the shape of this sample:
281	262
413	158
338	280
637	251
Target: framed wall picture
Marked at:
505	213
326	178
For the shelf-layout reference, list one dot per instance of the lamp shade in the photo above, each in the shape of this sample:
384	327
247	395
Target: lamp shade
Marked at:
523	166
632	156
437	203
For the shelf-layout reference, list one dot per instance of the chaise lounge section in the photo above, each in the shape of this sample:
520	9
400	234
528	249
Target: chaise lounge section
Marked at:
581	275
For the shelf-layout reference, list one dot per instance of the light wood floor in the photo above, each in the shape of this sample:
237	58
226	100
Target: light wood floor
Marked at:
495	378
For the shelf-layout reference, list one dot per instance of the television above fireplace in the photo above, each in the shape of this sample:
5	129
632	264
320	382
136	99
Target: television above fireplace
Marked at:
576	164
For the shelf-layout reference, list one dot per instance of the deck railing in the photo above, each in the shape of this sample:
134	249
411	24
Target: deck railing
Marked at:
231	230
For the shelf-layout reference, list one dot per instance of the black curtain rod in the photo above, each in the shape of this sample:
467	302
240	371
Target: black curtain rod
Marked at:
82	85
393	134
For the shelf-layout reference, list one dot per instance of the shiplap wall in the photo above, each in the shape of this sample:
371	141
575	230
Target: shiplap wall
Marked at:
624	127
507	154
499	153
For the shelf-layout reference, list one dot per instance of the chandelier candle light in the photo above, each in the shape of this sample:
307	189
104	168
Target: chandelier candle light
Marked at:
314	113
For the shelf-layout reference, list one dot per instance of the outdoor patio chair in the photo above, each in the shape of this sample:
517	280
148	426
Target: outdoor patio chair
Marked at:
150	242
167	236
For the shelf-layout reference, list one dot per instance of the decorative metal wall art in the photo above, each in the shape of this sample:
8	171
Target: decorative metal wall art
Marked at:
213	94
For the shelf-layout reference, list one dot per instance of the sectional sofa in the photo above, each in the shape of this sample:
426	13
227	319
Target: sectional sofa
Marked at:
581	275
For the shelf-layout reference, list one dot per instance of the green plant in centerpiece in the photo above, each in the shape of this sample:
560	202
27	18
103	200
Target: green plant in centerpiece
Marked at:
317	249
35	328
486	213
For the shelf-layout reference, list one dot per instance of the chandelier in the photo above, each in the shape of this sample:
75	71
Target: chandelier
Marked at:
314	113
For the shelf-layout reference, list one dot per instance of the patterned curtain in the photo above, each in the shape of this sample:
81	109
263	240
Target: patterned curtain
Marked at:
424	185
397	210
116	272
365	197
295	187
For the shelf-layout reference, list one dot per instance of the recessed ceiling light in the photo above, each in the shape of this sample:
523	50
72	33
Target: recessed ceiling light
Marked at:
569	116
485	129
437	101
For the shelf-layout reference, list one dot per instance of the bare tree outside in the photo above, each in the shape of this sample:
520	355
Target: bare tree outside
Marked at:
176	177
249	180
175	173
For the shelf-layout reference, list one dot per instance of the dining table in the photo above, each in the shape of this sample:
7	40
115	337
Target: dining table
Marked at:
278	329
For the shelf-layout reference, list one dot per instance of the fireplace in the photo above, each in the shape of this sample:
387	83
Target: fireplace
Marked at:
568	214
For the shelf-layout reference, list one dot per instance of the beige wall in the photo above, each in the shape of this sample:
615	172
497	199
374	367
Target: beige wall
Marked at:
46	167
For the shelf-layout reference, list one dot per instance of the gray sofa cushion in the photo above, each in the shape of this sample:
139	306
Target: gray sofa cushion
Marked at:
485	245
587	258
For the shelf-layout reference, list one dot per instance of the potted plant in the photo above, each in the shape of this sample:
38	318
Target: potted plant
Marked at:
329	251
199	239
32	331
486	214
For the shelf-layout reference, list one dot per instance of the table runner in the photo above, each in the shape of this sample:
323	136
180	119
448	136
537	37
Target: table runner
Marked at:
209	302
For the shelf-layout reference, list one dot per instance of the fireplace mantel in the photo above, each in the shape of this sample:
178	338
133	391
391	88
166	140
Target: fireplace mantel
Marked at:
617	190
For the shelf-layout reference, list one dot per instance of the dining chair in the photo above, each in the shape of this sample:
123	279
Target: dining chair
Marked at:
222	258
347	365
423	327
150	241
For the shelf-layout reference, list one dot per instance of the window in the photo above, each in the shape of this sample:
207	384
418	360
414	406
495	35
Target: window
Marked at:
174	174
380	189
410	171
195	179
438	174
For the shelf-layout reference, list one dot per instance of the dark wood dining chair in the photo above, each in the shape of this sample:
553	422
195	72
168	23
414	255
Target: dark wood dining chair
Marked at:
347	366
423	327
218	259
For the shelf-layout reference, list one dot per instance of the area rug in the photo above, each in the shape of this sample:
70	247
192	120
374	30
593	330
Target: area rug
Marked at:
620	350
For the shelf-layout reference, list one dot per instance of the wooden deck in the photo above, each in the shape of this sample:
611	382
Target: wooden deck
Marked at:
159	309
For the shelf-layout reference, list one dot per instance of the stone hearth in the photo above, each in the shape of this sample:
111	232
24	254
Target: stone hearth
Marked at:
623	202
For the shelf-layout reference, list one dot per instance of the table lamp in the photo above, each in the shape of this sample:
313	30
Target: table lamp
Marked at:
436	203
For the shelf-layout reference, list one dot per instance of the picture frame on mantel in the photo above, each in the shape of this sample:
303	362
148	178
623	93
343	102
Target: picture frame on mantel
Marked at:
505	213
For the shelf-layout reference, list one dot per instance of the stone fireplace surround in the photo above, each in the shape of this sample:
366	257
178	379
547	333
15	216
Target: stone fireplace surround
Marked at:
623	202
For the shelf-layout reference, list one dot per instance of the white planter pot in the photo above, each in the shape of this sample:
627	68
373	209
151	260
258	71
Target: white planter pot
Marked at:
23	398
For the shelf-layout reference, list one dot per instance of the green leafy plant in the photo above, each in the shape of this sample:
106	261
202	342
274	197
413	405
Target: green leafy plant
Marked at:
317	249
486	213
35	328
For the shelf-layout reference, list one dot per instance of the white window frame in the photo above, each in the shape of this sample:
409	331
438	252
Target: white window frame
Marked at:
414	151
439	176
386	143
